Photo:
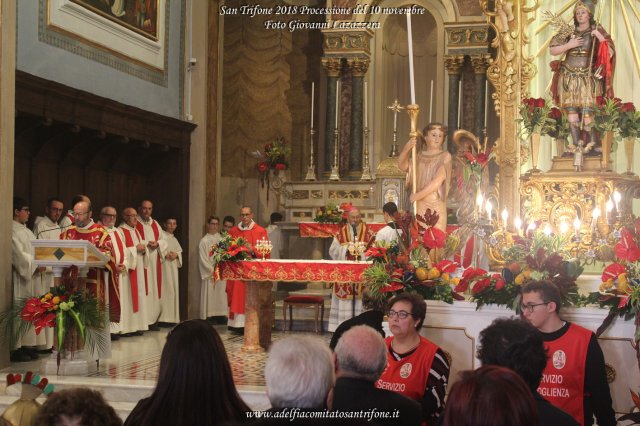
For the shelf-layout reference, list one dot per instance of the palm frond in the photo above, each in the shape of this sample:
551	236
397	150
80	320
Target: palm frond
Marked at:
561	27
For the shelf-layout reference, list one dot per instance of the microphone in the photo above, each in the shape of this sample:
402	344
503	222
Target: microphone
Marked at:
61	228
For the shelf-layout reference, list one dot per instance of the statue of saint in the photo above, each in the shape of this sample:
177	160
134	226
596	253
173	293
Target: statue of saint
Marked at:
585	72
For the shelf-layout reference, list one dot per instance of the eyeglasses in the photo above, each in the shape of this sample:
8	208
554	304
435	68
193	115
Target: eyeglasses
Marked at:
401	314
214	223
529	308
76	214
108	215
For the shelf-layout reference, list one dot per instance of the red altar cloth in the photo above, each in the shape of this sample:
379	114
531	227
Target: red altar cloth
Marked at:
294	270
328	230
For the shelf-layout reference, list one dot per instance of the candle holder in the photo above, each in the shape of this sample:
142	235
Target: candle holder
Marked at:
335	172
366	172
311	171
356	249
263	247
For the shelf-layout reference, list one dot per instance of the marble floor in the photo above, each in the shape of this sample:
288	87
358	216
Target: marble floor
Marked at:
137	358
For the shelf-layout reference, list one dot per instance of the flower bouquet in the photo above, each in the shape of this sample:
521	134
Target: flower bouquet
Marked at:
74	313
332	213
534	117
559	125
230	249
476	164
607	114
403	265
535	257
274	156
629	121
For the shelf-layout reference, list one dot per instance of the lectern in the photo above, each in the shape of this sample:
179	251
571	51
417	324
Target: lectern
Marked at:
58	255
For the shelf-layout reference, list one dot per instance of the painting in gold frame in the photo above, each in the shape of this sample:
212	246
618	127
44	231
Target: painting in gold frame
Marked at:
140	16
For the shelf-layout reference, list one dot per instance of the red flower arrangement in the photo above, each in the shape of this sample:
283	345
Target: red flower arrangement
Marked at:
534	116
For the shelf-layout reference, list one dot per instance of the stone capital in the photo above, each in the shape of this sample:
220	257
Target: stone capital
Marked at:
453	64
359	66
480	63
333	66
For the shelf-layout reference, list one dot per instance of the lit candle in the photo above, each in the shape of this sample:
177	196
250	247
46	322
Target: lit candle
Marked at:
410	45
594	217
479	201
431	104
505	216
337	101
517	222
366	122
313	86
489	207
576	227
459	102
608	206
486	102
547	230
564	227
617	197
531	227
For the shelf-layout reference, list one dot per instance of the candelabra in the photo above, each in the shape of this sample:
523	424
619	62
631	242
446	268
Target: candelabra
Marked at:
263	247
356	249
335	172
366	173
311	171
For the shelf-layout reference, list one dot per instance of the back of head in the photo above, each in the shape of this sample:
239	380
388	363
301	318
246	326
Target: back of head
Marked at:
299	373
490	396
275	217
390	208
77	406
361	353
195	384
517	345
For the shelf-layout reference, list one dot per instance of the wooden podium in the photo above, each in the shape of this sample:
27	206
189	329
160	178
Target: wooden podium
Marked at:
58	255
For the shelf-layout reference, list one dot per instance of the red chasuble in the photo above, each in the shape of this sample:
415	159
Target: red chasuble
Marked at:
99	237
236	289
133	274
563	378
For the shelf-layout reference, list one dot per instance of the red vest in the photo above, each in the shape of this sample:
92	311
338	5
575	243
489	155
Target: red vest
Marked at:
563	377
409	375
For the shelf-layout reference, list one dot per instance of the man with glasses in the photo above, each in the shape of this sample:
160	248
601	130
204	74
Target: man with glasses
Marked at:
213	298
574	379
97	280
47	228
252	232
135	320
68	219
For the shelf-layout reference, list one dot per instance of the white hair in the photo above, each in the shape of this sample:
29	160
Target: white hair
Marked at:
299	372
362	353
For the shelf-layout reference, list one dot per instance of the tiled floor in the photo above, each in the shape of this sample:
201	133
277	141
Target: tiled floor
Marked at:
138	358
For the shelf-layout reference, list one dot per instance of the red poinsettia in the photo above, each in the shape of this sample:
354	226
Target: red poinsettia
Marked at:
627	248
234	249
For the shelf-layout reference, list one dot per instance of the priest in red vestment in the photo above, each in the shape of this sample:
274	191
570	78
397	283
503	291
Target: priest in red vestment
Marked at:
252	232
86	229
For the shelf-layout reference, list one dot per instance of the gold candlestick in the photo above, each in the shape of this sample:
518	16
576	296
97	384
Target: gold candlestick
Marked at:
311	171
413	111
366	173
335	172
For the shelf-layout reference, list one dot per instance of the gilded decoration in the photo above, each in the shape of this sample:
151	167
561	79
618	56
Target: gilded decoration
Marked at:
468	36
333	66
293	271
453	64
298	194
480	63
352	42
348	195
316	194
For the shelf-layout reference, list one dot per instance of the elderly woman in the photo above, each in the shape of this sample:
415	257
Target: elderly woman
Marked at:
417	368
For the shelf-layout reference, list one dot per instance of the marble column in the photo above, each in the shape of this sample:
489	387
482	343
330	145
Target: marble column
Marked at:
480	64
359	68
333	67
453	64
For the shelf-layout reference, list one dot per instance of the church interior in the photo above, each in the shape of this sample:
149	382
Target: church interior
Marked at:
178	107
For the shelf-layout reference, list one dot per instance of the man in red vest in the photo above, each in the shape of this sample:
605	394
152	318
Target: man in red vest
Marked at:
252	232
574	379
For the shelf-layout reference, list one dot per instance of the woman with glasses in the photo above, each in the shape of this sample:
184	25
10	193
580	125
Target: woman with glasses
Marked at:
416	367
195	385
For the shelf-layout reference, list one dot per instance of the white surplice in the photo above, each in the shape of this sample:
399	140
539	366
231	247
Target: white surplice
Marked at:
134	321
170	301
22	268
153	298
45	229
213	296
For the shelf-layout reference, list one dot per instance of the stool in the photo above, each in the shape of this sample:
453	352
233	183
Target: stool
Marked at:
302	302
